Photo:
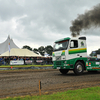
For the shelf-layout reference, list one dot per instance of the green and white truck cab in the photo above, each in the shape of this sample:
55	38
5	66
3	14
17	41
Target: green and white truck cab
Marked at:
71	54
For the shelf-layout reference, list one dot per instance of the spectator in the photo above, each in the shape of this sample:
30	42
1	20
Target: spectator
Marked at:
1	60
14	58
18	58
4	59
21	58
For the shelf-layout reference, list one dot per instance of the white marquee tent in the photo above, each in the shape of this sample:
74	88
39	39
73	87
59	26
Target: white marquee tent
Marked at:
20	52
8	43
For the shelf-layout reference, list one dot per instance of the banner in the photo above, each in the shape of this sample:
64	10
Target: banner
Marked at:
28	61
39	61
16	62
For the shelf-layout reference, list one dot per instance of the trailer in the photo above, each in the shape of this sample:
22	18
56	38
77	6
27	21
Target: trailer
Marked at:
71	54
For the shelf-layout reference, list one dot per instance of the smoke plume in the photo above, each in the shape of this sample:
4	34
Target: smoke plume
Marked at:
85	21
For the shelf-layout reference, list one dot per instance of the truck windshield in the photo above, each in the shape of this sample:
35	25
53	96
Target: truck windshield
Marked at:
62	45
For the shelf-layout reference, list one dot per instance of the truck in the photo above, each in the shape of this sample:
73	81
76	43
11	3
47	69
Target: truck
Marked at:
71	54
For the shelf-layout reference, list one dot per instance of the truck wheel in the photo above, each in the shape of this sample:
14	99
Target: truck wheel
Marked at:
79	68
64	71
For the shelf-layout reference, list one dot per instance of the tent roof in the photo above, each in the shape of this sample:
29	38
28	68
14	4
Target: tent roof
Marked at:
4	45
20	52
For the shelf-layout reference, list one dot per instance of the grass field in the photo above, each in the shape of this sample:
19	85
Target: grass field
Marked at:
2	66
92	93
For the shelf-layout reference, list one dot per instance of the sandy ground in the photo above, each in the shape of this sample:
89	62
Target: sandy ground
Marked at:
21	83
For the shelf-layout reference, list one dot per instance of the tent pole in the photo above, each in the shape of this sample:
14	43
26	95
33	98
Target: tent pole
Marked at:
9	58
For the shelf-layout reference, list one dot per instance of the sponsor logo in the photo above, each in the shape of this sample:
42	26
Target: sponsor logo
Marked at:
82	44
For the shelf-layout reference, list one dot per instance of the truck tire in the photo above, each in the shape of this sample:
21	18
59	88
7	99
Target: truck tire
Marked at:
79	68
64	71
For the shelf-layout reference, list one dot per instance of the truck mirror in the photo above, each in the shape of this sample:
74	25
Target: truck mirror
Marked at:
72	44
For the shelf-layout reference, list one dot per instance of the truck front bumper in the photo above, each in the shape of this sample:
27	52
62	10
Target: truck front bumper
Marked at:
62	65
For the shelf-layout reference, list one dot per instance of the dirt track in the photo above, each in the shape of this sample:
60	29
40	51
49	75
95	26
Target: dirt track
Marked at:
16	83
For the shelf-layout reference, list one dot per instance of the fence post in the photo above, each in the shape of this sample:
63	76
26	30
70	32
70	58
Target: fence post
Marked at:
39	87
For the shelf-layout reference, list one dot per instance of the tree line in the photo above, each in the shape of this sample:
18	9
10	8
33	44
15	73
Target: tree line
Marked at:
41	50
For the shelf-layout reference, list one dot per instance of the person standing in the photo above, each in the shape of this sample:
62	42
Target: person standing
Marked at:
1	60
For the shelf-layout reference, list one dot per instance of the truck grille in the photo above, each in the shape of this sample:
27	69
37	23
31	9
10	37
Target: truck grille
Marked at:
58	63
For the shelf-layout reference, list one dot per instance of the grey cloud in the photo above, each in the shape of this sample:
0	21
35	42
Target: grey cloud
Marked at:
9	9
44	18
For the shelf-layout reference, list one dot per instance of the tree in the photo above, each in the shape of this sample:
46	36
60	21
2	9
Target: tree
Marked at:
35	51
41	50
27	47
49	49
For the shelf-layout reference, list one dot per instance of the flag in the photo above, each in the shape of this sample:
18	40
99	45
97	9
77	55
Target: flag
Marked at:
9	47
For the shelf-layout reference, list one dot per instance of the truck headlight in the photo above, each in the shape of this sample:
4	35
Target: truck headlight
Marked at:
65	62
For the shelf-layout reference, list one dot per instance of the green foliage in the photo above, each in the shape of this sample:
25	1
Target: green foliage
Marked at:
27	47
35	50
49	49
41	50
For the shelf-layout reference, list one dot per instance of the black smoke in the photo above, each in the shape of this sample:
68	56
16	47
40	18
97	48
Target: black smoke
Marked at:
85	21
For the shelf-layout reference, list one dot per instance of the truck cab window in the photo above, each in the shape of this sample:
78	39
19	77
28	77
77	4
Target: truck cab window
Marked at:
75	43
61	45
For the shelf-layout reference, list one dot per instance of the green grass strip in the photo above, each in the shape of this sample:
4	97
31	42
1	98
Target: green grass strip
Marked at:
92	93
24	66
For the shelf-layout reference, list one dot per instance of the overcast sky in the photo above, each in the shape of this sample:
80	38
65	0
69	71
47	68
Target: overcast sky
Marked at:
40	22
